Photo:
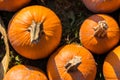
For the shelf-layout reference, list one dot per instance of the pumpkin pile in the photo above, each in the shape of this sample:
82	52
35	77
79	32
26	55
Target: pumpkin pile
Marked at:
35	32
100	34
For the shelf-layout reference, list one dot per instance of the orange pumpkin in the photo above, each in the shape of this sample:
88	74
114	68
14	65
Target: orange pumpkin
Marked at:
23	72
111	66
12	5
34	32
102	6
99	33
71	62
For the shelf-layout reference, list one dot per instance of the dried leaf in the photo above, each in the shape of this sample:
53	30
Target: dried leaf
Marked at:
5	61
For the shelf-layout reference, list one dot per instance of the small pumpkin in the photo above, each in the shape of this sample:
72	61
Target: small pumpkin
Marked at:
71	62
25	72
102	6
111	66
12	5
35	31
99	33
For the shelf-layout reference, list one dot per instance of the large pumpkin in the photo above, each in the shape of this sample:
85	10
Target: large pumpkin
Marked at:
71	62
23	72
99	33
34	32
102	6
12	5
111	66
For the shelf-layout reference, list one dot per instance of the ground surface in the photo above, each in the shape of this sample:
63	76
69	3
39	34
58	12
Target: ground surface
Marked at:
71	13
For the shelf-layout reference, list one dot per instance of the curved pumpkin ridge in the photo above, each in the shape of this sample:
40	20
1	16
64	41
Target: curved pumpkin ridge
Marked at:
102	6
99	45
25	72
58	64
111	66
20	38
12	5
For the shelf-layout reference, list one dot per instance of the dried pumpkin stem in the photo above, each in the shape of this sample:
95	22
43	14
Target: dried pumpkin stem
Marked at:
36	31
72	65
100	29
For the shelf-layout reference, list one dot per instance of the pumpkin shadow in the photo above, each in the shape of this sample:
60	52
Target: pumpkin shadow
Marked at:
96	18
54	67
76	75
103	40
115	63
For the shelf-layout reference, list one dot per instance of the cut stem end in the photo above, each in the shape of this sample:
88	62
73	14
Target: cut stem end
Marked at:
36	31
100	29
72	65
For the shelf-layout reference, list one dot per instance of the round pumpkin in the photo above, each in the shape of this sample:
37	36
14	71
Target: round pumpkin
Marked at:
12	5
25	72
102	6
71	62
111	66
35	31
99	33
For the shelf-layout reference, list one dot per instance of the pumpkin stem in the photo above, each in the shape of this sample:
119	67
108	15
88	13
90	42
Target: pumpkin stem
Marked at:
100	29
72	65
36	30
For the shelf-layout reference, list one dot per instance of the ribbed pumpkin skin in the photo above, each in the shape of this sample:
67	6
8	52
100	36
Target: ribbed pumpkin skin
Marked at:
102	6
95	44
23	72
12	5
56	64
111	66
19	35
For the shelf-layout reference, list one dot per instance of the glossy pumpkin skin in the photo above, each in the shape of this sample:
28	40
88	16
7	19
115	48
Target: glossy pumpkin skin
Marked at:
23	72
99	45
19	34
111	66
56	64
102	6
12	5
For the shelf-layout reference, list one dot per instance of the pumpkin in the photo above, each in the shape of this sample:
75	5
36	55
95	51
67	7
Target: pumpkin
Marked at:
99	33
111	66
25	72
12	5
102	6
71	62
35	31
